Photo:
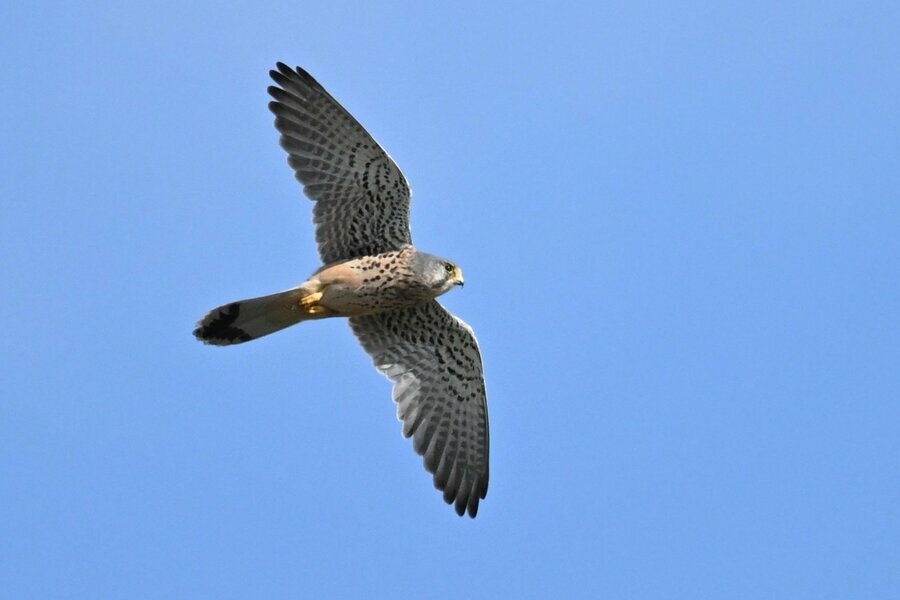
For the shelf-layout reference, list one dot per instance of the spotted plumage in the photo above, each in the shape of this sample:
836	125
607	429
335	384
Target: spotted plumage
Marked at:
373	275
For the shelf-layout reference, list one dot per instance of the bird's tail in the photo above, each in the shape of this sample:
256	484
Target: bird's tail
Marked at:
245	320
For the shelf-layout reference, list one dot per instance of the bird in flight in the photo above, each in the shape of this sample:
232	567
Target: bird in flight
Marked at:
373	275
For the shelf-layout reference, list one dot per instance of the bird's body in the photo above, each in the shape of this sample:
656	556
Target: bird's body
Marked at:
353	288
385	286
387	281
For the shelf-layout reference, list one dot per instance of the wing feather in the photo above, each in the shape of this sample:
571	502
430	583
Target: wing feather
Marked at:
433	359
362	198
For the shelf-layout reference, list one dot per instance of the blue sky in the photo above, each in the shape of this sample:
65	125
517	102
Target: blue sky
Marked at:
679	226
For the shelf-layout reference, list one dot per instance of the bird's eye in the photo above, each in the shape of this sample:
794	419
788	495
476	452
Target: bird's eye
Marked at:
449	267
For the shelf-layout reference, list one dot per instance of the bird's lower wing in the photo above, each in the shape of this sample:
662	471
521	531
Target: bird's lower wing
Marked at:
433	359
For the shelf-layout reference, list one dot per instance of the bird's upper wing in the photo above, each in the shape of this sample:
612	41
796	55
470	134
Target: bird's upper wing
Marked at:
362	198
433	359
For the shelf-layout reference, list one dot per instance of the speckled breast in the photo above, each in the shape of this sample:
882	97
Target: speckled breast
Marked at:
373	284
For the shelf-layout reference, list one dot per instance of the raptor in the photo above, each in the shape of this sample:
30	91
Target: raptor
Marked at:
373	275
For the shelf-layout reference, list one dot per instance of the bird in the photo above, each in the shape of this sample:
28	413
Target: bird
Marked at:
374	276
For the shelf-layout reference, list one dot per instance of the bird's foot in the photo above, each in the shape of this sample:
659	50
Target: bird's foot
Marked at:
310	304
310	301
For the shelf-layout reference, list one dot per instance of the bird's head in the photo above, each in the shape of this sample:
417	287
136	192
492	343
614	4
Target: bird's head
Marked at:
436	273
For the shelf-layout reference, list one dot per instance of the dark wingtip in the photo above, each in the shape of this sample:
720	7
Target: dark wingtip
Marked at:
283	68
283	74
463	502
296	74
463	505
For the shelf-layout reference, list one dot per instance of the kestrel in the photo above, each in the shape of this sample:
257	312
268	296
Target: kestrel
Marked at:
374	275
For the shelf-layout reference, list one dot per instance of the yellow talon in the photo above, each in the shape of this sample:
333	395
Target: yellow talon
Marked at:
315	310
308	302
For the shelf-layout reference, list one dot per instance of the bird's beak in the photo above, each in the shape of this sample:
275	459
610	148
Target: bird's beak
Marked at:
458	278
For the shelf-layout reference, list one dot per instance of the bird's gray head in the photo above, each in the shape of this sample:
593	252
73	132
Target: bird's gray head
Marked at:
436	273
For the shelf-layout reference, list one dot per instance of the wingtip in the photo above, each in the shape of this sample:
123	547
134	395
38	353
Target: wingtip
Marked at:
283	72
465	506
464	502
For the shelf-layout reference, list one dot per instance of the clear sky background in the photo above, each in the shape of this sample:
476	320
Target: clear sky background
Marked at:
680	229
